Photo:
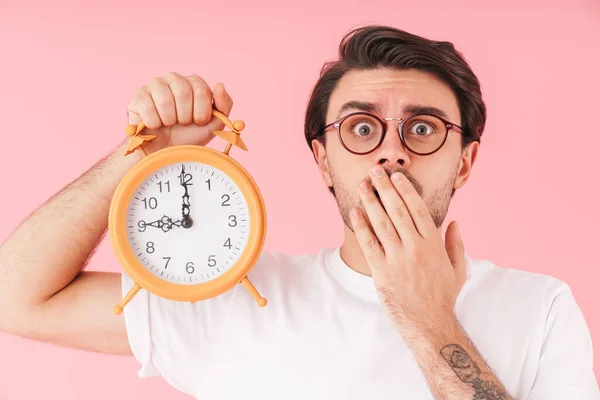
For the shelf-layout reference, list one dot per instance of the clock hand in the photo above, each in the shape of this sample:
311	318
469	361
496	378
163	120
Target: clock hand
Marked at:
165	224
185	207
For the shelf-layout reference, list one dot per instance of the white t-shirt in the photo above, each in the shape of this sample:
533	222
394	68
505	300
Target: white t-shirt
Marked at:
324	335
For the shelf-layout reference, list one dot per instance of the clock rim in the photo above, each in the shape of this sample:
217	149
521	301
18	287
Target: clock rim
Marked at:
118	226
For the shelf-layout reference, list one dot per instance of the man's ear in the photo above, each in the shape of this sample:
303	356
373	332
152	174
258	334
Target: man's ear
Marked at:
467	160
321	158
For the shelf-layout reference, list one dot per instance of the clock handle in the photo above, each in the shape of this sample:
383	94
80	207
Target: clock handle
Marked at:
132	292
136	140
250	287
233	136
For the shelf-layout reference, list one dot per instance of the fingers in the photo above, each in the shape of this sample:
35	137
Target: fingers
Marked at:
141	108
382	225
455	249
393	204
153	104
367	240
202	99
183	95
164	102
175	99
415	205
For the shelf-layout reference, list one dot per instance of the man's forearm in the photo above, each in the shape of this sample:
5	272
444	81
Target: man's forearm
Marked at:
453	367
50	247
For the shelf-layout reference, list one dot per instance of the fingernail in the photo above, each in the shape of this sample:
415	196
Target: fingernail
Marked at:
397	177
377	171
365	186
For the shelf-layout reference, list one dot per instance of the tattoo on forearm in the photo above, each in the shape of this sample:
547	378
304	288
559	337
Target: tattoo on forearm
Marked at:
468	372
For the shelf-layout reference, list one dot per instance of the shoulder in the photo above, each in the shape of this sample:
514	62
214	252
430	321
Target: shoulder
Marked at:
519	303
488	277
537	317
514	294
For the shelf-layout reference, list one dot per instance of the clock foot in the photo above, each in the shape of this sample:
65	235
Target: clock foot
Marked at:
118	309
250	287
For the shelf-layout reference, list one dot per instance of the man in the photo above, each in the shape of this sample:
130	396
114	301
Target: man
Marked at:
396	312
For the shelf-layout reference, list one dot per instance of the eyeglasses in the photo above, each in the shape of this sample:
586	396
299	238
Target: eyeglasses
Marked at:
422	134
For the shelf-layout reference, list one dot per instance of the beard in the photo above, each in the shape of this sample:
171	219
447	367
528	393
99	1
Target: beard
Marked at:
438	203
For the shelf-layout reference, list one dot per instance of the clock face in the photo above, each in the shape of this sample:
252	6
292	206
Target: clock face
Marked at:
188	223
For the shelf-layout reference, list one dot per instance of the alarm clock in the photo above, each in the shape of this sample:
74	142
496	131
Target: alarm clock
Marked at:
187	222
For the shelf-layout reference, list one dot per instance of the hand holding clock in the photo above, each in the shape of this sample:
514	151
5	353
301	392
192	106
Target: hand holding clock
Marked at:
178	110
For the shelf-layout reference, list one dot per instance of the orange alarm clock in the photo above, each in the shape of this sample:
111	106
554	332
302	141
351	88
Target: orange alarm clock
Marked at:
187	223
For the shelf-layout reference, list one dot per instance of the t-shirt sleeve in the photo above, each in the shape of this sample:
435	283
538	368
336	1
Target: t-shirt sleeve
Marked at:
165	336
565	369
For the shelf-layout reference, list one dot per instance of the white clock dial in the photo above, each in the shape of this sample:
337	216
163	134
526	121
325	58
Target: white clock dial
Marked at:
188	223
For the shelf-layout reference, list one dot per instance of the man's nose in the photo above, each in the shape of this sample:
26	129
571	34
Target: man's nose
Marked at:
392	150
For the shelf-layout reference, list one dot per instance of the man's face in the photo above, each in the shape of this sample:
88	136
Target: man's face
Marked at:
393	92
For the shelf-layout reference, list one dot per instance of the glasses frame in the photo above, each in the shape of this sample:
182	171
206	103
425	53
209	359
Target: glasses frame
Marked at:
384	122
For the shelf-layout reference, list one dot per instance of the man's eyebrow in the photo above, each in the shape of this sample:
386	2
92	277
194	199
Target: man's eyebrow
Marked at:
375	108
421	109
358	105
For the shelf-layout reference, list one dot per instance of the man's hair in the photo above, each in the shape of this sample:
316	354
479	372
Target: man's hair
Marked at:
378	46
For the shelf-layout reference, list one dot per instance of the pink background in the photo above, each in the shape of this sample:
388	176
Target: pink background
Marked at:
68	71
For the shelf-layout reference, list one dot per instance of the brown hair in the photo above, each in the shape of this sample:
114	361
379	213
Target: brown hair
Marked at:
378	46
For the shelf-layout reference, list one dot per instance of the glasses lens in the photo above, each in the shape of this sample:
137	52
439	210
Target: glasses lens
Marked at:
423	133
361	133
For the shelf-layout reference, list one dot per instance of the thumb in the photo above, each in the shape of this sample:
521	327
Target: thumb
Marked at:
222	99
456	251
223	103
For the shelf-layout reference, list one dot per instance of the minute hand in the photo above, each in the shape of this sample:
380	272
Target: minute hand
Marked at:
185	207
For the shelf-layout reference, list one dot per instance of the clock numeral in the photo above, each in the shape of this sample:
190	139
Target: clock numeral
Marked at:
167	185
189	267
150	247
227	243
208	182
211	261
151	202
234	220
141	226
185	179
168	259
225	202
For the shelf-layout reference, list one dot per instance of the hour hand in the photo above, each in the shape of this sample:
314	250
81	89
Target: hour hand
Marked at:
165	224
